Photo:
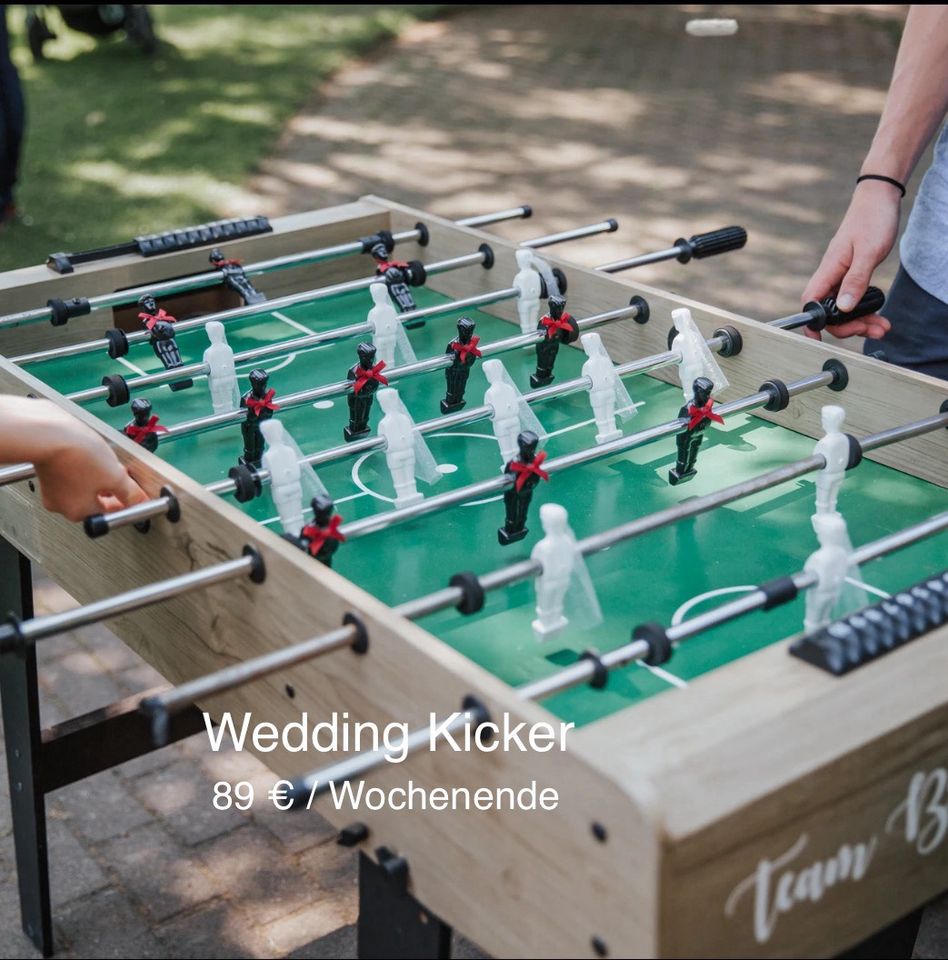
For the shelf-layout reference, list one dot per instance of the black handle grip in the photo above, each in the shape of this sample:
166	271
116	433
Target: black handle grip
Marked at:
703	245
825	312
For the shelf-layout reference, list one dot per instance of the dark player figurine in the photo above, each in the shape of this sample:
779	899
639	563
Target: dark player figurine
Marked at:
366	377
526	471
258	402
398	276
464	355
143	428
558	327
161	327
235	278
321	538
700	415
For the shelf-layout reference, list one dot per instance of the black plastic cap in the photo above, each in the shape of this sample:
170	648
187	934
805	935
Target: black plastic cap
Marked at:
656	636
258	570
477	706
118	342
361	643
642	308
157	713
733	341
613	225
527	211
600	675
779	395
423	235
944	409
60	262
173	513
62	311
118	389
95	526
840	375
855	452
418	273
352	835
488	252
472	592
685	252
246	485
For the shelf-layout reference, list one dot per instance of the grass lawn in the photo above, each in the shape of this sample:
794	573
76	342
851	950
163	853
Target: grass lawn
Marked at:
119	144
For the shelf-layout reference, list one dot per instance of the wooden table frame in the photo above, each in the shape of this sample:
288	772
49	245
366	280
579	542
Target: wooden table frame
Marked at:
764	761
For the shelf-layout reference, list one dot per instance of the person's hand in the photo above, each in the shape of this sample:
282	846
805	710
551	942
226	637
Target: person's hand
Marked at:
78	472
862	242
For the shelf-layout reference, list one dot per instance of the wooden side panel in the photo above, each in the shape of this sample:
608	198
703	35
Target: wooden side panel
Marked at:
31	287
802	811
879	395
523	883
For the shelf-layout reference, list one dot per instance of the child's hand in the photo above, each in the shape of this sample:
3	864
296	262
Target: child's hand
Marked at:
77	471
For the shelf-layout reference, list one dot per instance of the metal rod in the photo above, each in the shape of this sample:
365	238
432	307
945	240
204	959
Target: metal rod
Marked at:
395	373
295	345
39	628
240	313
15	473
319	782
496	484
229	677
523	212
213	277
594	229
669	254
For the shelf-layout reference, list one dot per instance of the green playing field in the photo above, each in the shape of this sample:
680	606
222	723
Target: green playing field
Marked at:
664	576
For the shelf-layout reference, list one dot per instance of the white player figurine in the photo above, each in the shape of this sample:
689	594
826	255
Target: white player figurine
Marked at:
529	286
696	358
834	447
406	453
510	413
221	372
388	332
607	393
833	565
288	476
564	583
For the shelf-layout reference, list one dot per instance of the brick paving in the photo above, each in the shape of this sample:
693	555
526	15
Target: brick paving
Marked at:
585	112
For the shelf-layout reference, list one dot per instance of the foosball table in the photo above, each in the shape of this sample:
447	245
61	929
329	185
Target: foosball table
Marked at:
729	786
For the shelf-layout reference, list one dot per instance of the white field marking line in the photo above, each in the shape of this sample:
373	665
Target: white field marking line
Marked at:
253	364
291	322
679	614
586	423
475	436
131	366
308	511
357	480
664	675
868	588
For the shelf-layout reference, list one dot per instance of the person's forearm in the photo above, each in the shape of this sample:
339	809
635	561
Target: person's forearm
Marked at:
918	95
30	430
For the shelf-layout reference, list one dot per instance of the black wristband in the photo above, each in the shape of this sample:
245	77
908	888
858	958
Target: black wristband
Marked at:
879	176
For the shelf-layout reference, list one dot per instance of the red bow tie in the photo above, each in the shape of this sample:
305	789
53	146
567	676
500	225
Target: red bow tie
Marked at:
698	414
226	263
138	433
384	265
465	350
318	536
553	326
152	318
524	470
363	376
257	405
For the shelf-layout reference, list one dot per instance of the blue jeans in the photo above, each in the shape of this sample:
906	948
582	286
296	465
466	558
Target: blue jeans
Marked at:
919	335
11	117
